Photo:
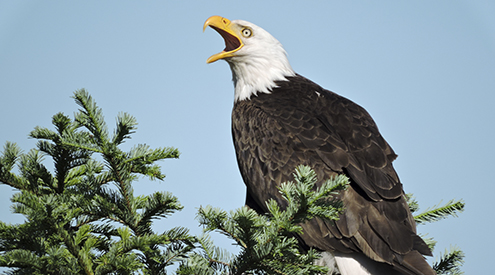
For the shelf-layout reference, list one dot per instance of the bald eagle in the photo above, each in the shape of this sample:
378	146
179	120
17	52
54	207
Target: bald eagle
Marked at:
281	120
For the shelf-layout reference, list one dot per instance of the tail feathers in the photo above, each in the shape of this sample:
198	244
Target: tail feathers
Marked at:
353	264
414	263
358	264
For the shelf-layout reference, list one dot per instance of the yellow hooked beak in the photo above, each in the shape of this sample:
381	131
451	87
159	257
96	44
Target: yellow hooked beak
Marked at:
233	43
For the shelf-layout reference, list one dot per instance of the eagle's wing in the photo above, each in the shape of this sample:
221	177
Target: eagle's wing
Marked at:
301	123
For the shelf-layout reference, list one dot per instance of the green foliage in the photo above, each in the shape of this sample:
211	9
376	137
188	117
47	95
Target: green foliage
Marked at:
267	243
437	213
83	217
449	263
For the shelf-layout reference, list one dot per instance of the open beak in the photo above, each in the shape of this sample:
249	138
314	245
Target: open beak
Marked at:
232	41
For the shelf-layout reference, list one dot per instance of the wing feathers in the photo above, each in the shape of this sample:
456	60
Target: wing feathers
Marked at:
396	235
274	133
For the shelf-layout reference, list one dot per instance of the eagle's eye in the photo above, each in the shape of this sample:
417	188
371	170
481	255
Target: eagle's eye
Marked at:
247	32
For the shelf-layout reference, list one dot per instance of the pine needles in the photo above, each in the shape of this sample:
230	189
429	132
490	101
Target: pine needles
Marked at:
267	242
84	218
450	261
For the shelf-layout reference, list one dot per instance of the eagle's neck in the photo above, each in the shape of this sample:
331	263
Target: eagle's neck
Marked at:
257	74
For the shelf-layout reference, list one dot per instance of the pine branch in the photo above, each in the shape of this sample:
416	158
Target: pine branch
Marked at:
8	158
176	251
450	262
216	219
437	213
315	203
211	260
82	256
141	159
217	258
20	258
37	177
10	155
91	116
267	242
157	205
126	124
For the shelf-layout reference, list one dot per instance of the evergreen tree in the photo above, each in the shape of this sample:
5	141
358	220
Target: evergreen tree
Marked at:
267	242
83	217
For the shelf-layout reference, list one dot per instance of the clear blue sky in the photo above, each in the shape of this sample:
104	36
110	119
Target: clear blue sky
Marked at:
425	70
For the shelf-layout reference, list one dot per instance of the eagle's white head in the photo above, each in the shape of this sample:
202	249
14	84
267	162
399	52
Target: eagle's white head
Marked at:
255	57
